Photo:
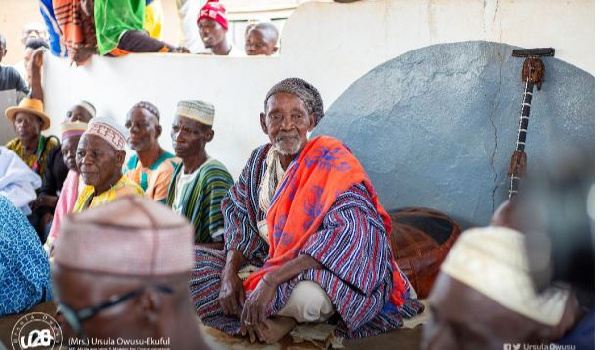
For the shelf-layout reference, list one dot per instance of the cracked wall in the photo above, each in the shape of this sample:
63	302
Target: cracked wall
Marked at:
435	127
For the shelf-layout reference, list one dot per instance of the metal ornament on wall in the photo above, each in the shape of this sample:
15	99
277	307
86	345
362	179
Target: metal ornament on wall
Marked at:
532	74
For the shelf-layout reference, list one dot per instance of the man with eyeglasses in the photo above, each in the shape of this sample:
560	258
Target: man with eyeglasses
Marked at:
121	272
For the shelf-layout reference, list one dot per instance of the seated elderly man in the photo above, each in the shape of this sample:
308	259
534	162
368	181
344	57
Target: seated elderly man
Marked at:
306	216
133	284
199	182
100	157
484	296
151	167
29	121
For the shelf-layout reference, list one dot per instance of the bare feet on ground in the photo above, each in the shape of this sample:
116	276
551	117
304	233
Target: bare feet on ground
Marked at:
275	328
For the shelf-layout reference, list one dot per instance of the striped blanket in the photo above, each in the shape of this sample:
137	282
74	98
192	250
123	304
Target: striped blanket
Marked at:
78	30
344	229
200	199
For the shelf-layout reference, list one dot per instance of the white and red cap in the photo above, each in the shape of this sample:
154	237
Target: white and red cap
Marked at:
109	130
215	11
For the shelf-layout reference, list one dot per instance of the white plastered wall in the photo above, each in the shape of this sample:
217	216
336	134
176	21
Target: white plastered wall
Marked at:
329	44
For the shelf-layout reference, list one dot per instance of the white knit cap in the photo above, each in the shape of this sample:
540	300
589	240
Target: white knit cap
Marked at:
200	111
88	107
111	131
493	261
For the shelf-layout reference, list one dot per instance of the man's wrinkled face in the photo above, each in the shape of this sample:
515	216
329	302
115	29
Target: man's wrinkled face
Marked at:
144	129
27	126
98	162
189	136
211	32
260	43
69	152
287	122
464	319
78	113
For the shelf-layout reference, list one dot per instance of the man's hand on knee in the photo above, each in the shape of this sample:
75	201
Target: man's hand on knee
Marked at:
231	294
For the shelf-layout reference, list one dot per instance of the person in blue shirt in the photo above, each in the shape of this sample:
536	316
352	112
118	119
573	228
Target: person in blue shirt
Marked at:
25	269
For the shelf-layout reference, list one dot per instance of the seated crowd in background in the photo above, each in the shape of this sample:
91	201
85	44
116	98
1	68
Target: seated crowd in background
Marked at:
116	28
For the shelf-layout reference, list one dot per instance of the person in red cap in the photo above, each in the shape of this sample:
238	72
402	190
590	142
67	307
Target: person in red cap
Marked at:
213	27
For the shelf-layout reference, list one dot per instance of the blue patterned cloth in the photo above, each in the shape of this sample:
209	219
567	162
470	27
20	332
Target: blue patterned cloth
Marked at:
24	265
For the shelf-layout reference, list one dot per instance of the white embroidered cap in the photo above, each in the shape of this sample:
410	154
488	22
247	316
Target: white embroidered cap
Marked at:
111	131
493	261
197	110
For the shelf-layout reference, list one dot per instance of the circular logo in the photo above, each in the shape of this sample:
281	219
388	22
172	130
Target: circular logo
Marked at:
36	330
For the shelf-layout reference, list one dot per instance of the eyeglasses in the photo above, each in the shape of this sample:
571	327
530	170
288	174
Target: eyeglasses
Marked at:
76	318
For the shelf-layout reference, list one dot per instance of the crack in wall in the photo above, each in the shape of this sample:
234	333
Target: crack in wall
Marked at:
496	11
489	19
492	115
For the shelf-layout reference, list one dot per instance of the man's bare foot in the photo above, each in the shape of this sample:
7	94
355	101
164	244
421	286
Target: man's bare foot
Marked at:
275	328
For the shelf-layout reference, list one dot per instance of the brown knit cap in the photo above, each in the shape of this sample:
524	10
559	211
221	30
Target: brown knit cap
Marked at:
305	91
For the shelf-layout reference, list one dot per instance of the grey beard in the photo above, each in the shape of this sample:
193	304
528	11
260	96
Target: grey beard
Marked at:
286	152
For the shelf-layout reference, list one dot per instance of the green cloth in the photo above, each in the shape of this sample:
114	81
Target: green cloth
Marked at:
113	18
201	198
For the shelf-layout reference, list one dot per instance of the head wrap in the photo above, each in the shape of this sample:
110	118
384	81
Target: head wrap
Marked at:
493	261
71	129
200	111
109	130
131	236
305	91
215	11
88	107
147	106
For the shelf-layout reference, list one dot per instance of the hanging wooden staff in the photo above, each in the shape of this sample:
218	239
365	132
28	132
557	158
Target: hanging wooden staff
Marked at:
532	74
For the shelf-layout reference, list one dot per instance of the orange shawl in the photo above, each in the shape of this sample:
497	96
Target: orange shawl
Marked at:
324	169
